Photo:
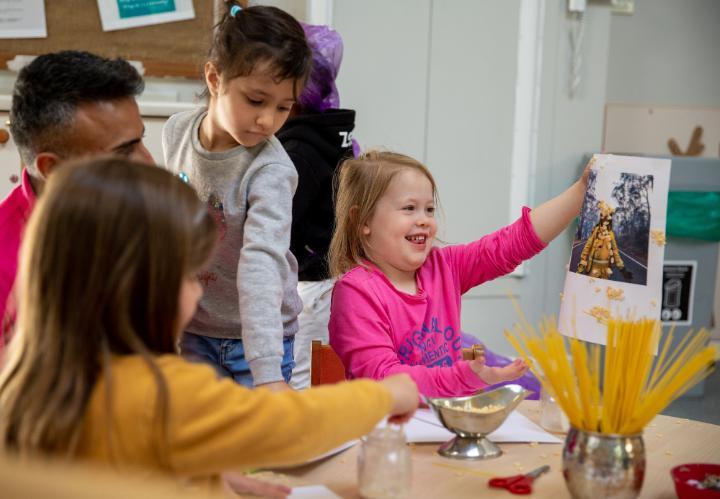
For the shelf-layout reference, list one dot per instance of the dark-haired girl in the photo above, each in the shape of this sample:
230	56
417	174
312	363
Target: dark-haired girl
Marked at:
247	319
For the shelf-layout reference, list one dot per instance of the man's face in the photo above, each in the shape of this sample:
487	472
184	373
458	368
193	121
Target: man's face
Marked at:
110	127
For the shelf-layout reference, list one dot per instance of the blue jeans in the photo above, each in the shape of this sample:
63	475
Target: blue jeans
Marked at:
227	356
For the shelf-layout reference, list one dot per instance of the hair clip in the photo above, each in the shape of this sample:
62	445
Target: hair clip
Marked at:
234	10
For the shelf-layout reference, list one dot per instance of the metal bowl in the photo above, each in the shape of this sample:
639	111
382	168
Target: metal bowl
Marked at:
472	418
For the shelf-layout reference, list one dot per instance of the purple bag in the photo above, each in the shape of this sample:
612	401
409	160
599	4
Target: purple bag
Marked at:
527	380
320	92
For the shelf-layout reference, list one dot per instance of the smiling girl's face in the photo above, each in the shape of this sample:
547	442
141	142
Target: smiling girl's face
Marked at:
401	231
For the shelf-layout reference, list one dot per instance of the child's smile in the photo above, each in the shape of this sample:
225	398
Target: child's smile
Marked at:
417	239
400	233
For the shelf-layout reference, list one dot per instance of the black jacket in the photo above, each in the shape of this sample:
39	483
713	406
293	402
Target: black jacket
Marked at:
317	144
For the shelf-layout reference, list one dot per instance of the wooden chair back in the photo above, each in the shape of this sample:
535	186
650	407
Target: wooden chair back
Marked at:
327	368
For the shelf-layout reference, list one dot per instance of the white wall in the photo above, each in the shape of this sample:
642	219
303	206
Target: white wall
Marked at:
470	110
668	53
385	71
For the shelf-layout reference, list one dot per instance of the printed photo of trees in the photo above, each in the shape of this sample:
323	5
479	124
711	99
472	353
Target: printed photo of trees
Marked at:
614	229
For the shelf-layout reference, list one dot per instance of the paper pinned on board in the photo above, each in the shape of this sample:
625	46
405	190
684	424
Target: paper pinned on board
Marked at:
616	262
425	427
124	14
24	19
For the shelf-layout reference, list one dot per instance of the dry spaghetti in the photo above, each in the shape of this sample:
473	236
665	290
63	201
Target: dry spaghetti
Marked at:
635	386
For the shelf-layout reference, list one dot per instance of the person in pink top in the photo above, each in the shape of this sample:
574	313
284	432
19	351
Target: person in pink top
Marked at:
396	305
64	105
14	214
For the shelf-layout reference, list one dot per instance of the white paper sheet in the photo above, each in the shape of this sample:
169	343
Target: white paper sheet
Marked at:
313	492
124	14
22	19
425	427
630	194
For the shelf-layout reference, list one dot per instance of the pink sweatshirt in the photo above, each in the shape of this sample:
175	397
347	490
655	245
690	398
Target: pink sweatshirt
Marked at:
378	331
14	213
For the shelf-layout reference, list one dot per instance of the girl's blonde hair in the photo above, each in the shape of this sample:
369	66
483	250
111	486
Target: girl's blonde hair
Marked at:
103	260
360	184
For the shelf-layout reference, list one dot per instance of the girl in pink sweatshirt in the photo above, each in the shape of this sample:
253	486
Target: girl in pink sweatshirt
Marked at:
396	306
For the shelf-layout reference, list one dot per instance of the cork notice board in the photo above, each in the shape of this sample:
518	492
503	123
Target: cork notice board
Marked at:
170	49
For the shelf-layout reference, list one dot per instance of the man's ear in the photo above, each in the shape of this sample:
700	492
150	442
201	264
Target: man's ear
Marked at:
212	78
45	163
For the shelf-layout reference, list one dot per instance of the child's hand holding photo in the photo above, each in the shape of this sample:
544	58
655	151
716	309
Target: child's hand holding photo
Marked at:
553	216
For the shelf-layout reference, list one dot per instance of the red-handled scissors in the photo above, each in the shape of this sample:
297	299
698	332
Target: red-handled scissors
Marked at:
518	484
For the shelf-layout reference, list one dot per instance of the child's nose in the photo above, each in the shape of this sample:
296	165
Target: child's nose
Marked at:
266	120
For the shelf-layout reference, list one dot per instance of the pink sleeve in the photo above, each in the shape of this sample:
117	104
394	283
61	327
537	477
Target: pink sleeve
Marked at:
361	335
496	254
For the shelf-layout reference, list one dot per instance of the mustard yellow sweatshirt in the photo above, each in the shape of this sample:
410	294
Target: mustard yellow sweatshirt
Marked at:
215	424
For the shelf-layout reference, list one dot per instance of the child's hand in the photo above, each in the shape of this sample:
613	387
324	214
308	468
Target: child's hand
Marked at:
552	217
586	173
493	375
405	397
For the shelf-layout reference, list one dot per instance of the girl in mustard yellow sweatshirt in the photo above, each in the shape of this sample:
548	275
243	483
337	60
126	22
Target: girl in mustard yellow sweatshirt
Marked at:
107	282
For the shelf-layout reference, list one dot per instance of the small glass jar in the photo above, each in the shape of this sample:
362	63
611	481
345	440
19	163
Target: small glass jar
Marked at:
552	418
384	464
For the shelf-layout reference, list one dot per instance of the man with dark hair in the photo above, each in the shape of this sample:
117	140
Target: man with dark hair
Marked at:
64	105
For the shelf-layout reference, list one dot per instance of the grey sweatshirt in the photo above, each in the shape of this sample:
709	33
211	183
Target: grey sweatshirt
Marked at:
250	287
